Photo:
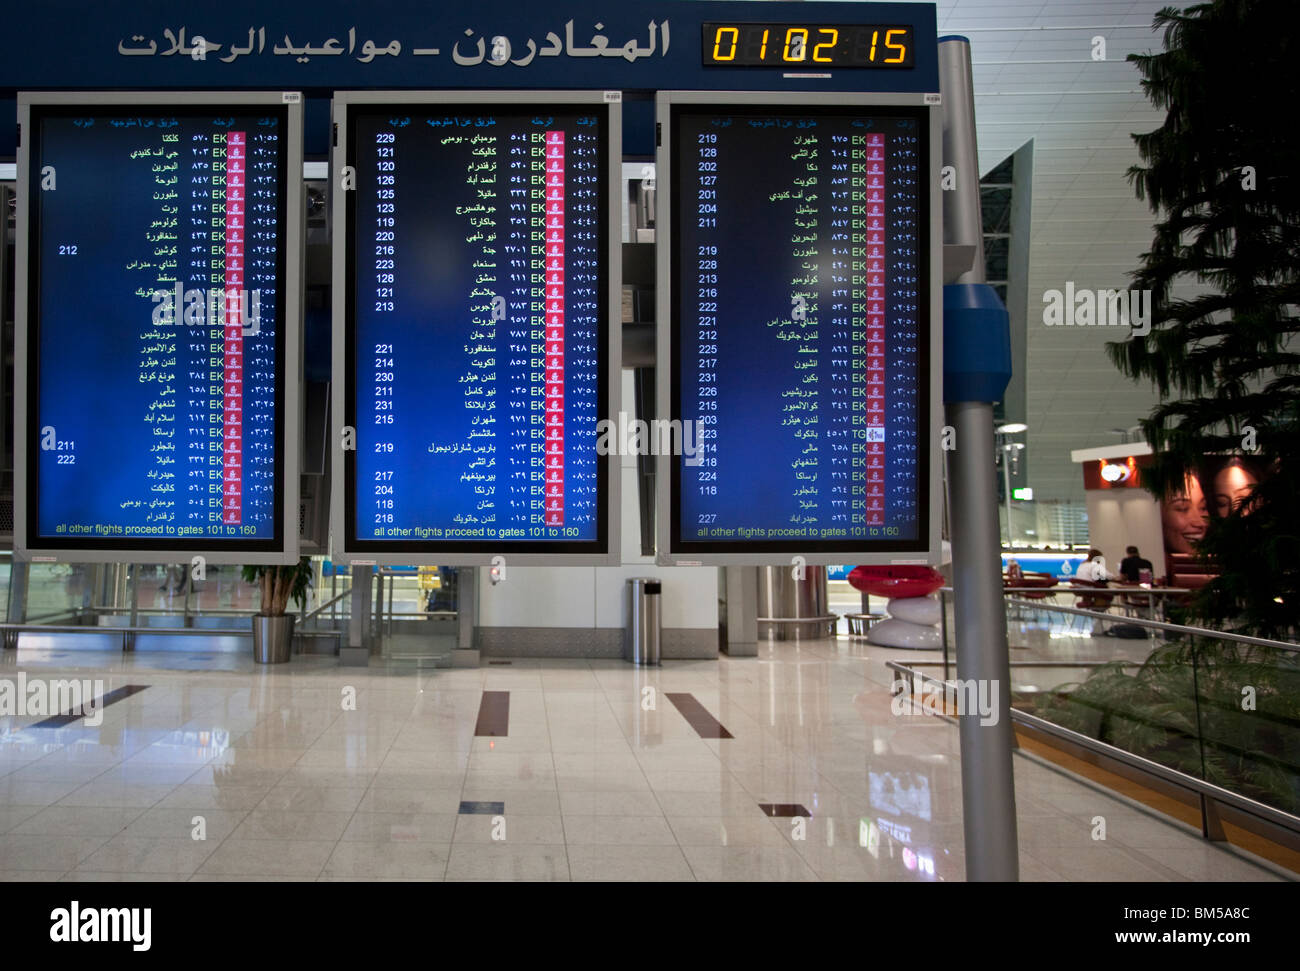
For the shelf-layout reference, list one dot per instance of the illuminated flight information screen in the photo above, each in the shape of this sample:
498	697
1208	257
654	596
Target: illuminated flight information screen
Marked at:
155	339
800	329
477	369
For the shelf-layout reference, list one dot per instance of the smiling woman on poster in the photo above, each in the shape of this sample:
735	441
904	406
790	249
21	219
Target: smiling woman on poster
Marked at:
1233	484
1184	516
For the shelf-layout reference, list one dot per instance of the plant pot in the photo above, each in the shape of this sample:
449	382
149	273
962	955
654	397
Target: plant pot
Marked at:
272	638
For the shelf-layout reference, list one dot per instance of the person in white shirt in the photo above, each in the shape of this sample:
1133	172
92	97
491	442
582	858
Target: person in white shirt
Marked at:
1094	568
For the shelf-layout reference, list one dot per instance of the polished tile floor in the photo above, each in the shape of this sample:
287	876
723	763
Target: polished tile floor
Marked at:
309	771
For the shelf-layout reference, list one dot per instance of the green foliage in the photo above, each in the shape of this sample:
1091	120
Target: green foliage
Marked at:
280	584
1222	355
1184	708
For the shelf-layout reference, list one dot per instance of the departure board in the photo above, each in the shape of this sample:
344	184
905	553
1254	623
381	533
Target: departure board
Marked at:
801	329
477	348
157	368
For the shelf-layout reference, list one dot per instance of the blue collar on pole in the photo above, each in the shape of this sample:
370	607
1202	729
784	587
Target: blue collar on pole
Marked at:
976	343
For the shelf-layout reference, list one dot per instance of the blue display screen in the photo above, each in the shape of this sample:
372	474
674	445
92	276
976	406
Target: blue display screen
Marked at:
155	340
800	329
477	336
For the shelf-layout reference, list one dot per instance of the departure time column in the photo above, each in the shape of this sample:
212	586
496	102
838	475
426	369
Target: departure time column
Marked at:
383	354
708	348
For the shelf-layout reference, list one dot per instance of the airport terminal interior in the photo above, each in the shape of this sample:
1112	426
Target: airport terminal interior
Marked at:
683	441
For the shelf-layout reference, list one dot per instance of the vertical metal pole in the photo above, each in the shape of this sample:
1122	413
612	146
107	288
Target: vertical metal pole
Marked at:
377	621
740	587
1006	490
121	581
128	638
392	583
943	625
466	607
988	784
90	579
356	651
17	607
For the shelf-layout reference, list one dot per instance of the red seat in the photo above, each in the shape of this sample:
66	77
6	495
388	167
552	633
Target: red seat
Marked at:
1189	572
896	581
1091	601
1036	580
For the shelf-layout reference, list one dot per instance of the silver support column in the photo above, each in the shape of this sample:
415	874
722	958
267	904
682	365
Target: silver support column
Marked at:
188	620
465	654
356	651
988	784
16	612
1006	490
377	635
128	636
94	579
739	609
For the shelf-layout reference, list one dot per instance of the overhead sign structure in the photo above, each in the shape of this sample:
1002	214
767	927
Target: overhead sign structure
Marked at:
409	44
473	352
158	309
802	338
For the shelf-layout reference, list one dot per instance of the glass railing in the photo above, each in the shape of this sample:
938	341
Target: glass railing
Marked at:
1219	707
74	598
1224	712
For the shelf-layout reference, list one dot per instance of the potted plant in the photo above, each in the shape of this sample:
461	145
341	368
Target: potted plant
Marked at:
272	627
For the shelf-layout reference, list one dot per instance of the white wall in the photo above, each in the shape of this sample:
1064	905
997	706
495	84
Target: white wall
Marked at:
589	596
1125	517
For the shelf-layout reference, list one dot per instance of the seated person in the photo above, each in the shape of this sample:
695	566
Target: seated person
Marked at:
1094	569
1131	567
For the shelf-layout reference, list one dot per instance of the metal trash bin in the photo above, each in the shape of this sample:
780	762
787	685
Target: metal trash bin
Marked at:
641	631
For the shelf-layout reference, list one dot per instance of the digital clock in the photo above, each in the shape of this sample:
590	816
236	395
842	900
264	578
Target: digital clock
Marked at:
807	45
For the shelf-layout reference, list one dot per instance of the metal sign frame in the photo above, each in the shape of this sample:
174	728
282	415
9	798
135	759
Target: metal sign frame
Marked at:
289	412
668	554
444	553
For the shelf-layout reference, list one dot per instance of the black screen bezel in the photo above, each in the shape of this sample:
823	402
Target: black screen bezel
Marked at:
847	547
36	540
353	544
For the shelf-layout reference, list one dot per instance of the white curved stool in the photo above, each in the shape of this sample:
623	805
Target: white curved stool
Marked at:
913	623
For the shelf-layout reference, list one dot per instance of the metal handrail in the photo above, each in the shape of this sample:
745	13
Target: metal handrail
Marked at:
1052	664
1114	591
113	631
209	611
66	612
128	634
1206	790
163	611
1161	625
328	603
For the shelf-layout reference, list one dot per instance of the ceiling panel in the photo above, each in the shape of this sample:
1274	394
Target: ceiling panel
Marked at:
1035	79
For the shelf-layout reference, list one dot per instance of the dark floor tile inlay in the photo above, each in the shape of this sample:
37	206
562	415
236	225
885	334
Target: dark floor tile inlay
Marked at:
482	808
784	810
501	662
705	725
494	714
109	698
